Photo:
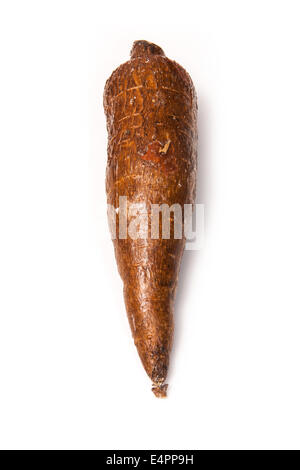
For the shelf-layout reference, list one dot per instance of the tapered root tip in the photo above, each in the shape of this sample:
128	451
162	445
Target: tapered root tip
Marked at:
160	391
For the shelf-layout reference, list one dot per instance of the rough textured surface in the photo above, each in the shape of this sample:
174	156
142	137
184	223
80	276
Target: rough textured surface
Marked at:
150	106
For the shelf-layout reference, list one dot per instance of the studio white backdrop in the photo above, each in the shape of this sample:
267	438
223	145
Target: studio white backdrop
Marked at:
70	377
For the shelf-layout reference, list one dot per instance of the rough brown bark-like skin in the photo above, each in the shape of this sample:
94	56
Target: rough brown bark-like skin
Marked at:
150	106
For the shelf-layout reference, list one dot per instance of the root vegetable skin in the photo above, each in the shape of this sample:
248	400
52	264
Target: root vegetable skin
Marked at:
151	110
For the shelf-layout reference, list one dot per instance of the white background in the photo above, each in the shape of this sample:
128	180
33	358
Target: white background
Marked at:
70	375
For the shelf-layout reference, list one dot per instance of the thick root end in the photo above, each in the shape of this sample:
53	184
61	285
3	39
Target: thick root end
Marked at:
145	49
160	390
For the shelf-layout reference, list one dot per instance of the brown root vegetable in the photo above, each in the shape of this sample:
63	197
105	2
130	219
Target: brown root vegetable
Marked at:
151	110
